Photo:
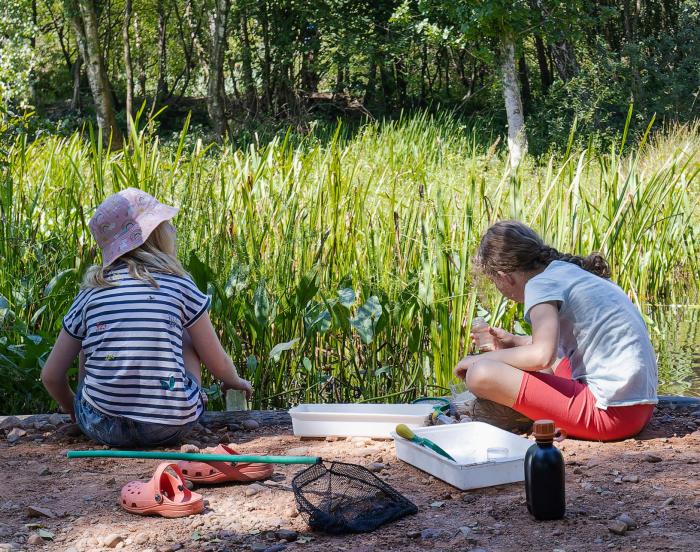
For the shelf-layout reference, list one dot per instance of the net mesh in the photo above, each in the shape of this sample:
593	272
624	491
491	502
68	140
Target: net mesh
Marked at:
346	498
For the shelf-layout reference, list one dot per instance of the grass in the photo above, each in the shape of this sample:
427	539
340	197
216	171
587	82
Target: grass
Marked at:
339	271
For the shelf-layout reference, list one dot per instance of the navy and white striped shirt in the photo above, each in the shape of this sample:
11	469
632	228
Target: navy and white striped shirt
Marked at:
132	339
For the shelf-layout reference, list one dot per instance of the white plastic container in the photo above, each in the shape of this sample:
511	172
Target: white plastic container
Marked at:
468	444
356	420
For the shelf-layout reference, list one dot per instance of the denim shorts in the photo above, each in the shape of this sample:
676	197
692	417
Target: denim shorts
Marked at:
117	431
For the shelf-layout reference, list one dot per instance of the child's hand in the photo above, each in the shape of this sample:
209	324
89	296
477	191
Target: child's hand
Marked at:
463	365
241	385
502	339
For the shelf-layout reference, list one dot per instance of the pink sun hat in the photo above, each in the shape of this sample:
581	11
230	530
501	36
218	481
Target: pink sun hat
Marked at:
124	220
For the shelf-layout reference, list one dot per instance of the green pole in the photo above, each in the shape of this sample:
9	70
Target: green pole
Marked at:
194	456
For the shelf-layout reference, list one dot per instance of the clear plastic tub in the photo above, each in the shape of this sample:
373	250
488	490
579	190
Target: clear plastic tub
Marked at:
356	420
470	444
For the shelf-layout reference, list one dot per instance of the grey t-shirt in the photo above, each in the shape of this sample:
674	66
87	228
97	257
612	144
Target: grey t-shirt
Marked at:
601	332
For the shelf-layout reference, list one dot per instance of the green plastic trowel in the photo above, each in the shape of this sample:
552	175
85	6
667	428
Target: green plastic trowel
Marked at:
404	431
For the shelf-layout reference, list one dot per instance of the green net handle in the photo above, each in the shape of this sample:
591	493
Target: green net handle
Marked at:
193	456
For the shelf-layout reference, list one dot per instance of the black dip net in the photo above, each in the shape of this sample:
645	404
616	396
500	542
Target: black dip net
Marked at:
346	498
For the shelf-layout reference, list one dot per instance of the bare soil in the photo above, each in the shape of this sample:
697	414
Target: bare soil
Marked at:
82	496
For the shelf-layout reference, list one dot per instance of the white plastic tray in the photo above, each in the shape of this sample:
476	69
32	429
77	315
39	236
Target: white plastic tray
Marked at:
467	443
356	420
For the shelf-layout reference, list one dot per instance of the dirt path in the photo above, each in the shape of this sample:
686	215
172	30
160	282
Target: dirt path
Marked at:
654	479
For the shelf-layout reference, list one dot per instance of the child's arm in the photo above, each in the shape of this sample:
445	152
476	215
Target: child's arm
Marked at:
212	354
53	375
535	356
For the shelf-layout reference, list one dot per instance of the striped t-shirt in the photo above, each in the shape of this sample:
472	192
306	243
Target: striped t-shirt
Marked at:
132	339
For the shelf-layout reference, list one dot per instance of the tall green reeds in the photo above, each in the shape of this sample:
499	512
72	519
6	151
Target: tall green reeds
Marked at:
340	270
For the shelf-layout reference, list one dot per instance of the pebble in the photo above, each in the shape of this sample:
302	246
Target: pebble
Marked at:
291	512
189	447
670	500
111	541
432	533
250	424
35	539
43	470
376	467
38	511
618	527
627	520
286	535
15	435
141	538
10	422
254	489
651	458
55	419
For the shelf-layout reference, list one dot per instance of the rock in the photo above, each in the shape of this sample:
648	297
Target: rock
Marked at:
376	467
670	500
413	534
43	471
15	435
250	424
111	541
291	512
275	548
35	539
189	447
286	535
38	511
651	458
692	460
618	480
432	533
627	520
5	530
631	479
577	470
10	423
141	538
298	451
254	489
56	419
617	527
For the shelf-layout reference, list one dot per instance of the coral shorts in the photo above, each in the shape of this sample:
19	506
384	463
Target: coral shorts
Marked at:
571	405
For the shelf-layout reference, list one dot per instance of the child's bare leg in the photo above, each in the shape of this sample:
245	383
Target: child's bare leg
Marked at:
193	365
495	381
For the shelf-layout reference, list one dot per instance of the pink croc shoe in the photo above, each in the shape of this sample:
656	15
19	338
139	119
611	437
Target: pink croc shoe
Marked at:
221	472
165	495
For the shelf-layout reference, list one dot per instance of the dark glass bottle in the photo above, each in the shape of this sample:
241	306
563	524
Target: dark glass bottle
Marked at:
544	474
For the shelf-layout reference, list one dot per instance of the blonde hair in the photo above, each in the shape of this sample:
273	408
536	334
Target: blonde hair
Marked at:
510	245
156	254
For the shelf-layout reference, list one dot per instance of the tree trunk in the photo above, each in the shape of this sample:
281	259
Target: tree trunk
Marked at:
84	20
545	75
251	94
565	60
162	86
517	139
216	100
524	75
139	58
76	70
128	67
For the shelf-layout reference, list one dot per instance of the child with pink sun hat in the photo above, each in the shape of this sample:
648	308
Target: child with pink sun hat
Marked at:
141	328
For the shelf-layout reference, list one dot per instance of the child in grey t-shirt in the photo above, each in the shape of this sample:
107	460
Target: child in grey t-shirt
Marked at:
604	384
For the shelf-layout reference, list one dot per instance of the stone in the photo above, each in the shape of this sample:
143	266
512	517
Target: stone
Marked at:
43	471
274	548
250	424
15	435
630	479
617	527
111	541
38	511
189	447
35	539
141	538
618	481
291	512
298	451
627	520
5	530
286	535
254	489
56	419
670	500
651	458
376	467
10	423
432	533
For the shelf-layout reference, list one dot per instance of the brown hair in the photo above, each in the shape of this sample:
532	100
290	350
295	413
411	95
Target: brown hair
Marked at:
157	254
510	245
